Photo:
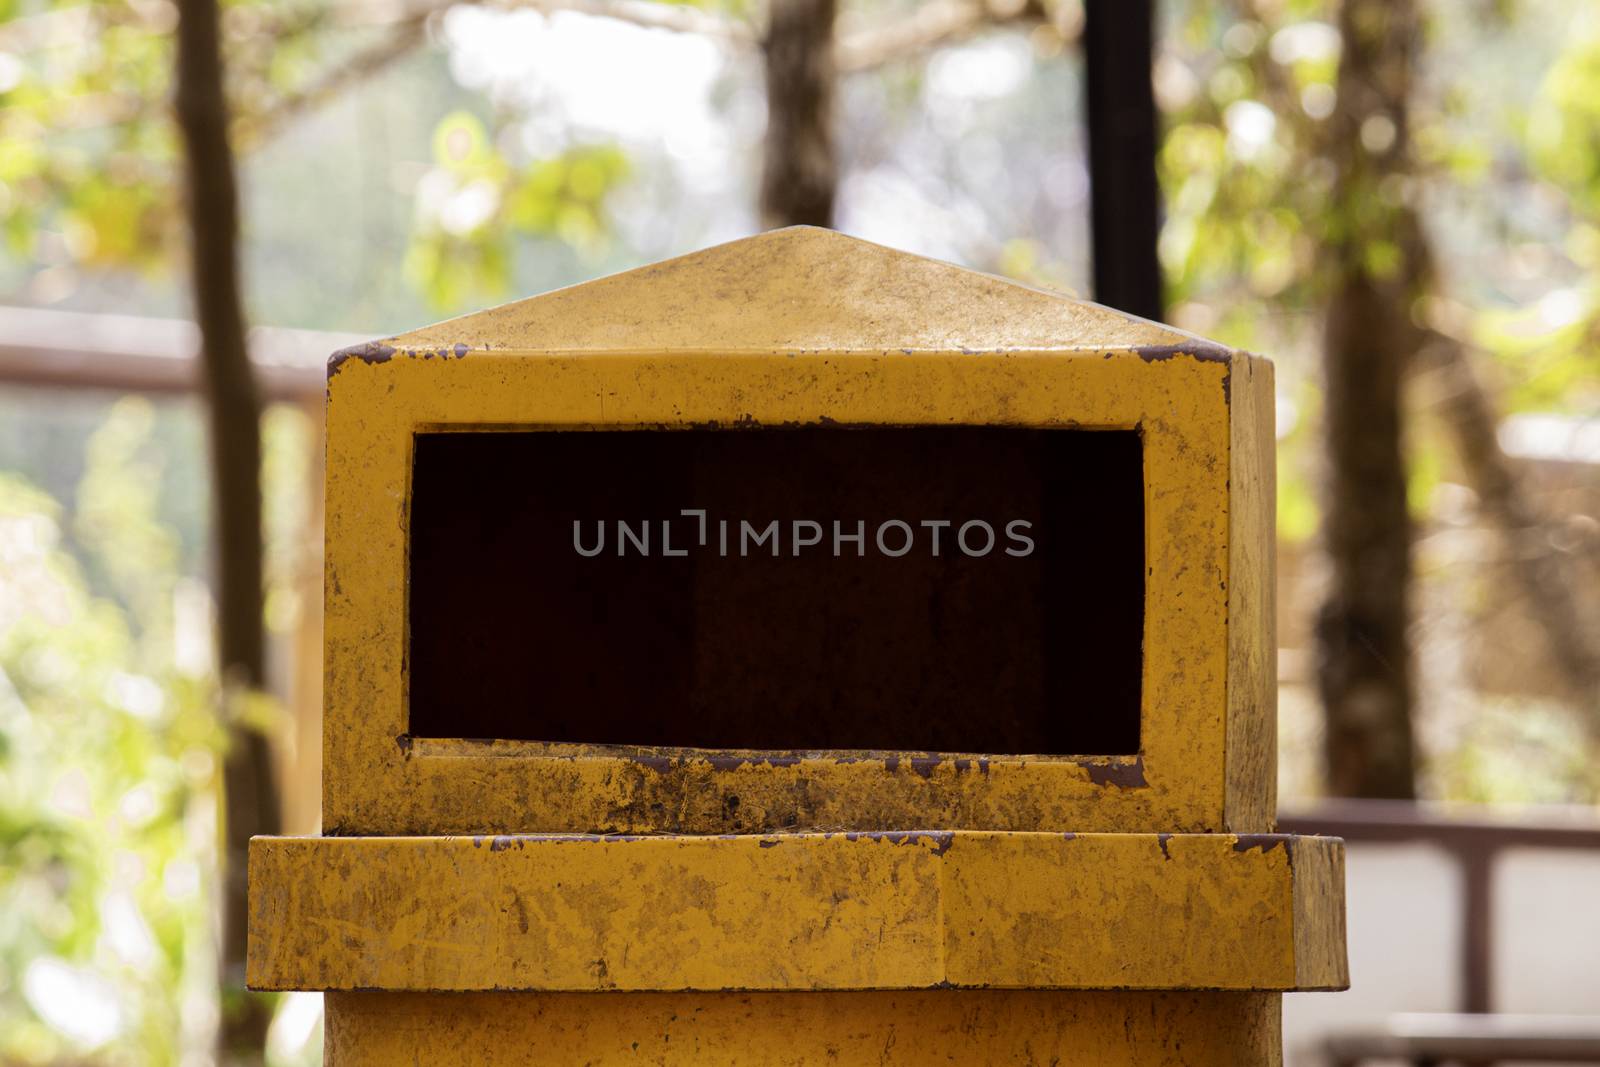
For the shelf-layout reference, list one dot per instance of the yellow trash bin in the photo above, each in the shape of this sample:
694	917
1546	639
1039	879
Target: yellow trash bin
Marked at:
799	652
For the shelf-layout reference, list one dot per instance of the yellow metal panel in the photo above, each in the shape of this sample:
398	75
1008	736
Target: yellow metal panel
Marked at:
900	1029
1139	911
1319	930
1252	741
789	912
376	781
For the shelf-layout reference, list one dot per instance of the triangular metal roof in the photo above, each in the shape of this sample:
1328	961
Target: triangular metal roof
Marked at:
800	289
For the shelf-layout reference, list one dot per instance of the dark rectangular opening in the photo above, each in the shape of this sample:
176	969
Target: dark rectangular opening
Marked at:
994	602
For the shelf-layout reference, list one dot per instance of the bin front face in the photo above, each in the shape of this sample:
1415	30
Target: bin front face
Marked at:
1081	679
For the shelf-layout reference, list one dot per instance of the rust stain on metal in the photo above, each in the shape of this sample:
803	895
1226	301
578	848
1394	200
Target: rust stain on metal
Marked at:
941	839
1129	775
1264	842
366	352
1207	351
760	759
521	911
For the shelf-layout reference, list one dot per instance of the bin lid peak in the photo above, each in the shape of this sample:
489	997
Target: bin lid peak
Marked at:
799	289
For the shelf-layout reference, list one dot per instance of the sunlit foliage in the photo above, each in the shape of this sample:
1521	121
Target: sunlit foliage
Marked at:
109	749
475	202
1504	175
88	149
1247	89
1555	343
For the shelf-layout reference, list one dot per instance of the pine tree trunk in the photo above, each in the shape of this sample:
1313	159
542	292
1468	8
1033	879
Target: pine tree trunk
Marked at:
799	174
234	409
1380	266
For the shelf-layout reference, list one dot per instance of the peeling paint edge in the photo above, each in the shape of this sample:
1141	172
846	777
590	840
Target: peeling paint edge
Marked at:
938	840
1121	775
1264	842
1206	351
382	352
375	352
366	352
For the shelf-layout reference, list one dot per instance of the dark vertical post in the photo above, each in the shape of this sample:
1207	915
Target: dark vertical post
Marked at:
249	790
1124	202
1366	675
800	173
1477	927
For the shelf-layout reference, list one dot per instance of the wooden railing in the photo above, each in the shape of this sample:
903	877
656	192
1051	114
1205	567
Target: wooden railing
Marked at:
128	353
1474	840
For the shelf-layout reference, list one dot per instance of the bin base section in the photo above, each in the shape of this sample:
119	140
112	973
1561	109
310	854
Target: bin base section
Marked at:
798	912
881	1028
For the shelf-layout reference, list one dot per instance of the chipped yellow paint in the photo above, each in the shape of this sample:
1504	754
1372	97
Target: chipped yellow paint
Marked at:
975	1028
793	912
864	355
974	908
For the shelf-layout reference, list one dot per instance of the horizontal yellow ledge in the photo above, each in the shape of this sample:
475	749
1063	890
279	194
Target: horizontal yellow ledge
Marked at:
840	911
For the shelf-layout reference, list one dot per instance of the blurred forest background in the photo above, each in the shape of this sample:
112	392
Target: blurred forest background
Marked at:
1398	201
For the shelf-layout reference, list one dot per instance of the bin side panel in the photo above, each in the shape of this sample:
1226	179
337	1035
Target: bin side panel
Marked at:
1252	731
